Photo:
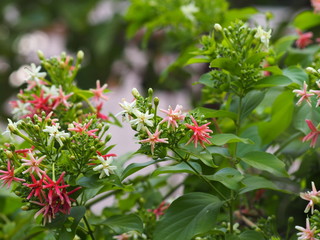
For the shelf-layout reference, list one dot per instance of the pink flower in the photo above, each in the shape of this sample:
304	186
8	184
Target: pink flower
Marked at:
84	129
98	92
304	39
34	164
154	138
316	5
304	94
317	92
36	188
173	116
47	210
99	114
8	176
61	99
200	133
54	187
159	211
313	135
306	233
312	197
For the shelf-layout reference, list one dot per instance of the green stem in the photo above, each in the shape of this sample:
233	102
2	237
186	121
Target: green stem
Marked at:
89	228
100	198
286	143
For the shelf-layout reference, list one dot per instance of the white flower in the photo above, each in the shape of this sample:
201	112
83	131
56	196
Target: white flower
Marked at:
217	27
189	10
105	166
55	133
263	36
53	91
127	109
142	119
34	72
21	109
12	126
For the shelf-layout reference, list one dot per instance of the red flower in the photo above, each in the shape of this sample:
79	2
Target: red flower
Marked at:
84	129
313	135
99	114
37	188
54	187
200	133
159	211
8	176
40	103
304	39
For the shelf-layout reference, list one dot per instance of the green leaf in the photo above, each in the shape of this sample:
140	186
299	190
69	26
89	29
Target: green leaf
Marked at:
281	116
229	177
256	182
306	20
206	79
284	43
296	74
189	215
272	81
221	139
305	112
251	235
226	64
265	161
250	102
178	168
256	58
197	60
211	113
89	182
273	69
253	134
199	153
302	57
135	167
124	223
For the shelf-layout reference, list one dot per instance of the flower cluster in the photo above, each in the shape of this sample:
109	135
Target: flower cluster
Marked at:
162	132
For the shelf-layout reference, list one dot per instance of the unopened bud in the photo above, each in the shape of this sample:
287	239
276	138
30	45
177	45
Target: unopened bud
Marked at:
156	101
72	158
108	137
79	105
36	128
217	27
150	92
269	16
9	154
107	126
25	208
12	128
92	149
41	55
17	193
80	55
311	70
135	93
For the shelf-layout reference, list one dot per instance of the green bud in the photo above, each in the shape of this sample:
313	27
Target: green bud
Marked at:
79	105
17	193
150	92
80	55
290	219
217	27
46	65
135	93
92	149
41	55
72	158
9	154
79	112
156	101
269	16
108	137
36	128
107	126
25	208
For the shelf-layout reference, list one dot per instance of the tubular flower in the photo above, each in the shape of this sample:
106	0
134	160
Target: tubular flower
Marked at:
99	114
55	134
55	189
33	164
98	92
304	39
173	116
313	197
154	138
142	120
313	135
8	176
83	129
200	133
159	211
37	188
306	233
127	109
105	166
304	94
263	36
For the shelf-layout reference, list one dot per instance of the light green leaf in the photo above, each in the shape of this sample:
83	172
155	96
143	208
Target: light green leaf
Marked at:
305	112
226	64
283	44
211	113
272	81
197	60
266	162
178	168
273	69
189	215
221	139
306	20
199	154
256	182
296	74
229	177
124	223
206	79
135	167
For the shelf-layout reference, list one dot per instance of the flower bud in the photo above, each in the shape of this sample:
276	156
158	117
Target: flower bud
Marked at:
108	137
80	55
311	70
92	149
9	154
41	55
150	92
107	126
72	158
156	101
24	208
135	93
12	128
217	27
36	128
17	193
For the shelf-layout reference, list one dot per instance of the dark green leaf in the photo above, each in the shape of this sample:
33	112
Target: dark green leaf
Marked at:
229	177
256	182
221	139
250	102
178	168
284	43
296	74
124	223
199	153
251	235
265	161
226	64
135	167
189	215
211	113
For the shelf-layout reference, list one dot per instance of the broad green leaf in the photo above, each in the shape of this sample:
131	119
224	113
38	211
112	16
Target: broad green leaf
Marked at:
206	79
229	177
281	116
250	102
189	215
178	168
251	235
124	223
302	57
200	154
253	134
273	69
77	214
89	182
305	112
256	58
226	64
135	167
265	161
239	13
306	20
284	43
256	182
272	81
212	113
296	74
221	139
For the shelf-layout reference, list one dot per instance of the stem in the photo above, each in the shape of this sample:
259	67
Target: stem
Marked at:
88	226
231	212
173	190
286	143
100	198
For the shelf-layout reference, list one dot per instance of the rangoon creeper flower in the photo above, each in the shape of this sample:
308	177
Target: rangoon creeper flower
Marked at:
313	135
98	92
105	167
34	76
20	109
316	5
154	138
142	120
189	10
83	129
127	109
304	39
12	127
304	94
173	116
200	133
34	164
313	197
61	98
8	176
56	134
263	36
306	233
